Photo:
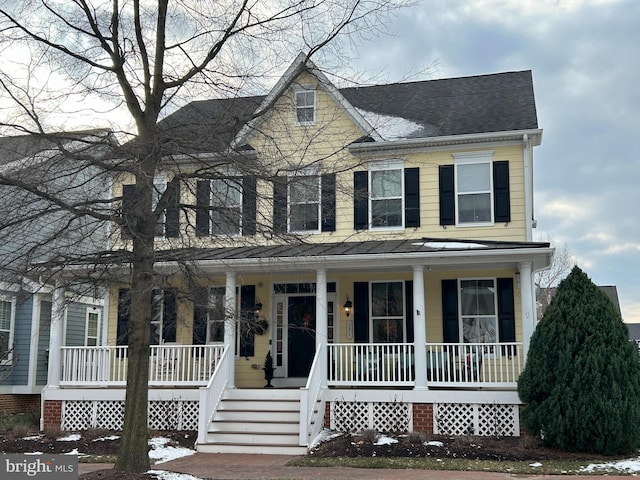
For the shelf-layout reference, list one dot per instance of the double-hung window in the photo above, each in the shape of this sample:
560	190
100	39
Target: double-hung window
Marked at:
305	106
216	315
387	196
478	311
7	314
92	332
474	188
387	312
168	221
304	203
226	206
163	316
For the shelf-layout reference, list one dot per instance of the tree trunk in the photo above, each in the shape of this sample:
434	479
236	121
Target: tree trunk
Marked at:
134	449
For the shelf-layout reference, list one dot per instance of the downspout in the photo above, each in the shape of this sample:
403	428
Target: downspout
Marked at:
528	186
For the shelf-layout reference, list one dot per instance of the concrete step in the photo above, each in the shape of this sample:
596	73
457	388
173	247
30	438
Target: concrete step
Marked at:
252	449
230	426
253	438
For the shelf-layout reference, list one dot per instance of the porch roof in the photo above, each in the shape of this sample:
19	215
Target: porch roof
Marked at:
436	253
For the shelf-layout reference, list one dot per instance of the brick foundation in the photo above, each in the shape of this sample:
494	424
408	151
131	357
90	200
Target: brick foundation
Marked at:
19	403
423	417
52	414
327	414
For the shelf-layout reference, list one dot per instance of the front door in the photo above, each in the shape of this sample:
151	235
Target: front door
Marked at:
301	334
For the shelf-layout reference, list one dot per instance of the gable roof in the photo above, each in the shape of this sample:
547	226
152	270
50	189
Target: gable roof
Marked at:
501	102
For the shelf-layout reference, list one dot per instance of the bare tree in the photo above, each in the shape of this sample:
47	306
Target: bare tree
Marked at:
547	280
83	56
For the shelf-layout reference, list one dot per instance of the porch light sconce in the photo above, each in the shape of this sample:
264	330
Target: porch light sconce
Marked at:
348	306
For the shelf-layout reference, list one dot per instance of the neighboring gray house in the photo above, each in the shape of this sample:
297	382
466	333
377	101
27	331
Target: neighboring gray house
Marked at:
31	231
544	296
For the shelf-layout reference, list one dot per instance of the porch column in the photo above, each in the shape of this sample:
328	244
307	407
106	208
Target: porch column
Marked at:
56	342
419	329
230	326
527	299
322	324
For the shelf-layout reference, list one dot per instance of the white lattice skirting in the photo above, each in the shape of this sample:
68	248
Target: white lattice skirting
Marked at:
104	414
476	419
381	416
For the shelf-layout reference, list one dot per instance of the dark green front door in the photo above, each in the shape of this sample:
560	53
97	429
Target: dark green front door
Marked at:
301	335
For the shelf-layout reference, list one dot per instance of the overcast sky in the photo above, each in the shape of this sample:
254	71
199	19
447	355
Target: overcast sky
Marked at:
585	59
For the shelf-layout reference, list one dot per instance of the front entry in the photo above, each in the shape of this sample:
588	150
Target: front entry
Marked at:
301	335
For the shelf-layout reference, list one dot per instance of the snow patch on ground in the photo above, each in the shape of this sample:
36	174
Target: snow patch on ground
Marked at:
383	440
74	437
324	436
630	466
161	453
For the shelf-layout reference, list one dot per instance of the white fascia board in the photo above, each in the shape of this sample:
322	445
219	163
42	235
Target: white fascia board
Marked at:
539	257
515	136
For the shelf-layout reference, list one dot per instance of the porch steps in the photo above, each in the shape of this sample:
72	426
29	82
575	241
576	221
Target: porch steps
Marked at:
256	421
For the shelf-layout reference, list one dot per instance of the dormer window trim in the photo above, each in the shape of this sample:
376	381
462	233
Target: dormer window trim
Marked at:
305	105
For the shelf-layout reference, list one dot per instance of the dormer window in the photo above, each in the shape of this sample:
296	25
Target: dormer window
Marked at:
305	101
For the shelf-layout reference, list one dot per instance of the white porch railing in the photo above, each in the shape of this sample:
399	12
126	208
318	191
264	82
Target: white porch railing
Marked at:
312	403
448	364
174	365
474	364
211	395
371	364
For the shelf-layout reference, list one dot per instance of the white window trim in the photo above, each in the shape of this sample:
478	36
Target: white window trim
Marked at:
467	158
495	304
159	187
210	306
404	308
90	310
301	89
305	172
393	164
239	180
12	328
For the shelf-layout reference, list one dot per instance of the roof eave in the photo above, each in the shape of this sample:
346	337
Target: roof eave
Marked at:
534	135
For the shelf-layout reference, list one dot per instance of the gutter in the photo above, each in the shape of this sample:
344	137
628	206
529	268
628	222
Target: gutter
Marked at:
534	135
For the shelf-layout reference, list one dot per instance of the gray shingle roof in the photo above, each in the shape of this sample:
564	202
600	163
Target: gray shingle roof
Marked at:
454	106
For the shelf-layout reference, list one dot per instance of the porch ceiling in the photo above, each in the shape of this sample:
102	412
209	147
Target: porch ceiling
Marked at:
436	254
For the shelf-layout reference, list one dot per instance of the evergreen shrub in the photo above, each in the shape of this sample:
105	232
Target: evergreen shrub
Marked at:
581	382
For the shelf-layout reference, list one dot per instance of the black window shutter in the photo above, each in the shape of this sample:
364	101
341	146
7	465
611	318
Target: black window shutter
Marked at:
408	294
450	329
361	312
124	306
247	304
447	195
200	299
412	197
506	311
360	200
169	314
203	205
172	213
249	205
128	205
328	206
280	204
501	197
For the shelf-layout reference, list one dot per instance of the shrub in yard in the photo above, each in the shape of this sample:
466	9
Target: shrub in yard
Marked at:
581	382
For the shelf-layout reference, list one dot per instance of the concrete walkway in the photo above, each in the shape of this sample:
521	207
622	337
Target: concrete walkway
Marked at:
225	466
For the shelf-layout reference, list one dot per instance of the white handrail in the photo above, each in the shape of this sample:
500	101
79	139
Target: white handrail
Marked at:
211	395
312	419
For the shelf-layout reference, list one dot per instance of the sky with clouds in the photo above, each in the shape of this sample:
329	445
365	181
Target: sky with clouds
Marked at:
585	59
